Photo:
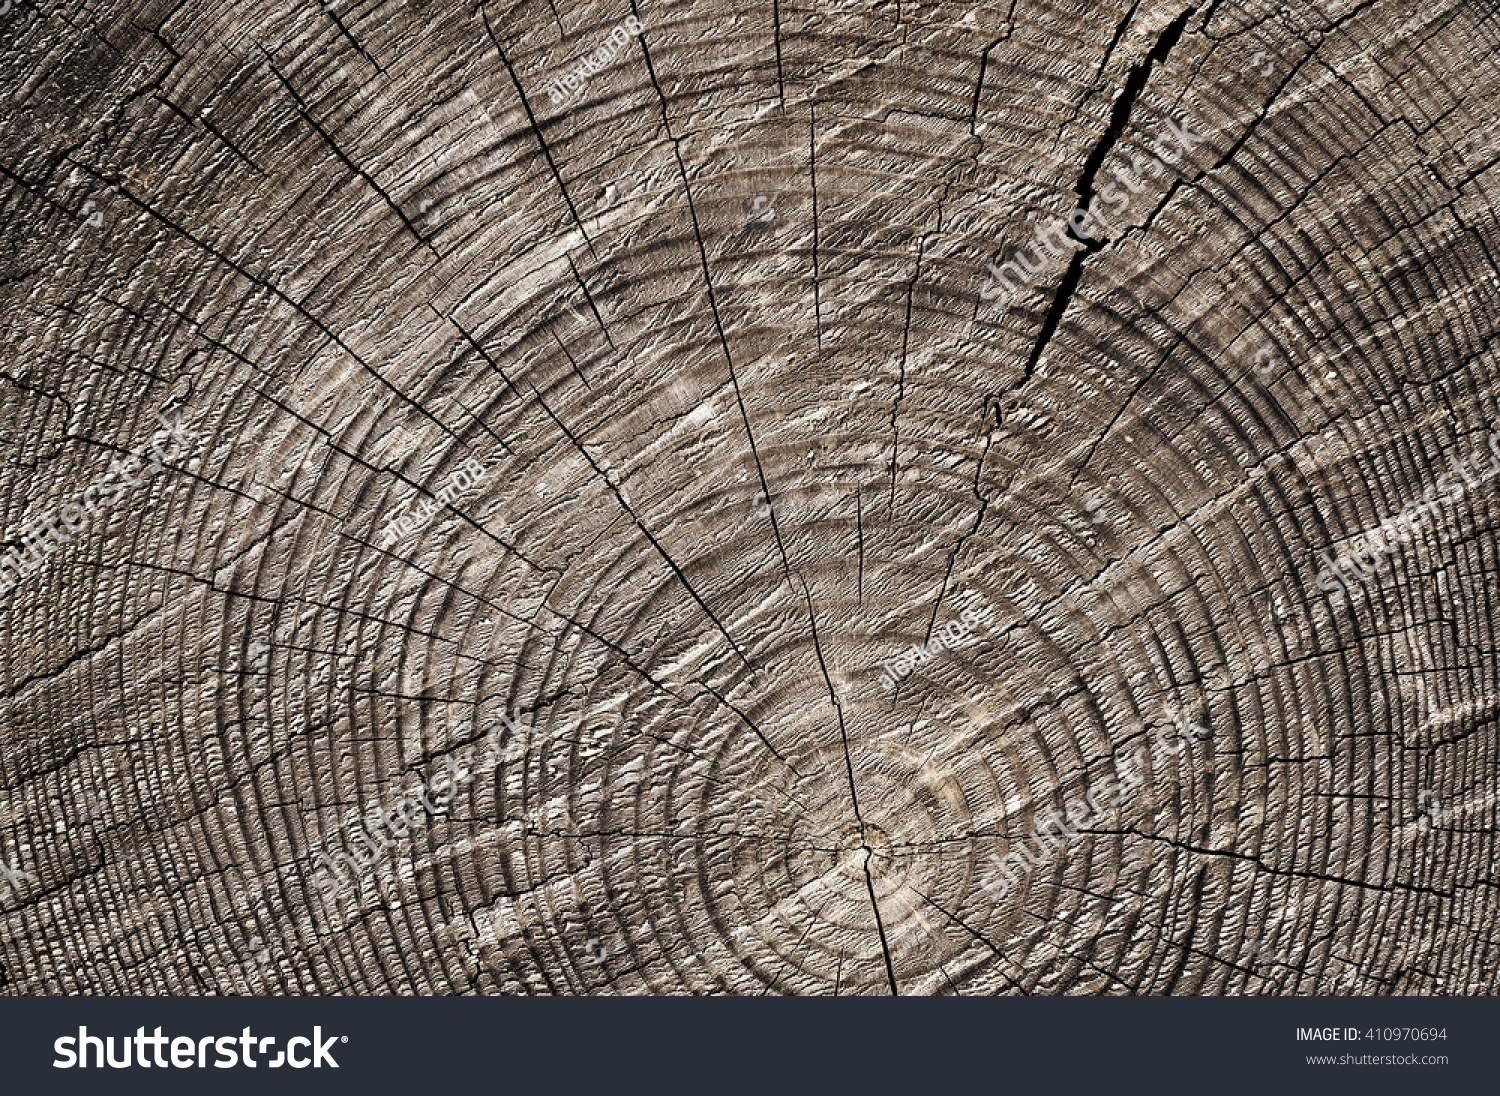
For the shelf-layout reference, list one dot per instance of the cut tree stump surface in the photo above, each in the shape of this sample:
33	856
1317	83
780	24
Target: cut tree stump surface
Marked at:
642	375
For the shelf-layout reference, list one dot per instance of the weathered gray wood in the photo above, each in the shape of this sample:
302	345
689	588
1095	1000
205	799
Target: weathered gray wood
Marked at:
711	325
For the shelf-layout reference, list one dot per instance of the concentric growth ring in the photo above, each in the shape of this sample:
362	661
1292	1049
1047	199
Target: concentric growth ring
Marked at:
895	502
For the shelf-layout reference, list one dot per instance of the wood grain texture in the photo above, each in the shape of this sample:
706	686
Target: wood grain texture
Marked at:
712	327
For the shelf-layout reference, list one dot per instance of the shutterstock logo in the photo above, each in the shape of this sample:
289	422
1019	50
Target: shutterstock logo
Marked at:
183	1048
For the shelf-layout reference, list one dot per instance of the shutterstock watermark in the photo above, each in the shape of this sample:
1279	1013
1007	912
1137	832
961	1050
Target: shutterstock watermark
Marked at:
43	537
13	880
442	787
1133	182
1070	821
1339	576
73	1051
1431	808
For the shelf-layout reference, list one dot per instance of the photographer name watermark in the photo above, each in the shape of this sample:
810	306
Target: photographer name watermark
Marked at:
565	85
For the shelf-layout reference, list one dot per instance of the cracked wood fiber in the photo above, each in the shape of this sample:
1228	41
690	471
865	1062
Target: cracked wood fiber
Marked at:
709	326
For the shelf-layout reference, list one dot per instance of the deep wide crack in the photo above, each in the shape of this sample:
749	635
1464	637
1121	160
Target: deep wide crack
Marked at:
1119	120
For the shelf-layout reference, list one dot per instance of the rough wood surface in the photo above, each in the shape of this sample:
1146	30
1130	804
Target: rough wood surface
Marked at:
711	324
